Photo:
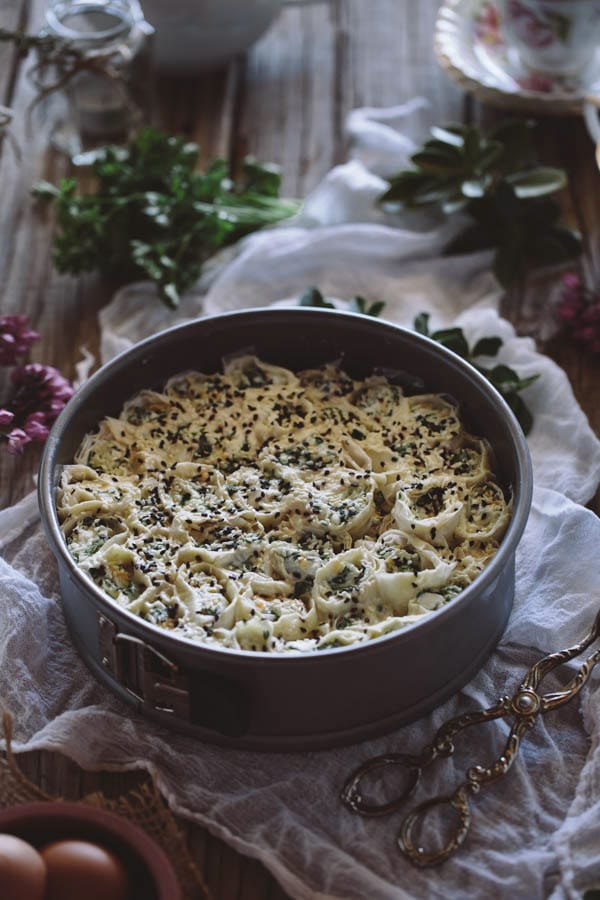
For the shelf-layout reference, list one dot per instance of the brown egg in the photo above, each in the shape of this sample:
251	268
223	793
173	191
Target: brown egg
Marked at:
81	870
22	870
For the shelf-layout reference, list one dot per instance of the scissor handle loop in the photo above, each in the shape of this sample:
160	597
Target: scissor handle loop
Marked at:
351	794
407	843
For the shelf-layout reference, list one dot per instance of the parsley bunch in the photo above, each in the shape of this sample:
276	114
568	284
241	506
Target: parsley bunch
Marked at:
155	216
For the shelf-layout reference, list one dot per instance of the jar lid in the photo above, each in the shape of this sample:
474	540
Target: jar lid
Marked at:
93	24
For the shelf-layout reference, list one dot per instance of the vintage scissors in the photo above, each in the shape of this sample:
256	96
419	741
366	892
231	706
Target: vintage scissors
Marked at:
524	707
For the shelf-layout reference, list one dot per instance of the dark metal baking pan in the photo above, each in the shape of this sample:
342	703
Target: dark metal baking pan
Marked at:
287	701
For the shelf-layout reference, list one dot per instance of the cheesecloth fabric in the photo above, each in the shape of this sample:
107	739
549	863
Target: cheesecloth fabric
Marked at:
537	832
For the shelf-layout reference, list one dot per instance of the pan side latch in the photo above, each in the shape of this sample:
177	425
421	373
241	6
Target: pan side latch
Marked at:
143	671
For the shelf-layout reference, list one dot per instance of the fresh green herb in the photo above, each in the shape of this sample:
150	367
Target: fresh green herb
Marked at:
504	379
360	305
154	216
496	181
404	561
304	586
345	578
94	545
313	297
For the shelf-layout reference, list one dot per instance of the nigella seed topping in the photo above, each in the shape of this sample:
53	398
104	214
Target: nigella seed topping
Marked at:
309	523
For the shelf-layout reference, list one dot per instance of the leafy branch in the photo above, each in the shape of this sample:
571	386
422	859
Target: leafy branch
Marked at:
506	381
313	297
154	216
496	181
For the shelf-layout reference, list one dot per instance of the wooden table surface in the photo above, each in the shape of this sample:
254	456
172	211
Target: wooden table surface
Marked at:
285	102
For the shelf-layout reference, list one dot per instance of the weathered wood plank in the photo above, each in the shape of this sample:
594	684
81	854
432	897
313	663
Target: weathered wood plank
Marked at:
287	109
200	107
318	63
13	15
388	57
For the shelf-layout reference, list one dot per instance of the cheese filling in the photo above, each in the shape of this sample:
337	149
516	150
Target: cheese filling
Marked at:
264	510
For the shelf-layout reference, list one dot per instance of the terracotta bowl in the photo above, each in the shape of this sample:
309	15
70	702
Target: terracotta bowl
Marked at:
149	869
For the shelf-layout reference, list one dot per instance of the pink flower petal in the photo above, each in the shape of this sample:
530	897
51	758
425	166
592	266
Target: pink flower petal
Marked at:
36	430
17	441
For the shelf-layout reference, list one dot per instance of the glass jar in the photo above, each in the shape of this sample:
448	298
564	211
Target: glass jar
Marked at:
5	120
106	78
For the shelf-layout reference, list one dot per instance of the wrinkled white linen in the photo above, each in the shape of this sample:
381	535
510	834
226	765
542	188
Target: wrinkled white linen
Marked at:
537	831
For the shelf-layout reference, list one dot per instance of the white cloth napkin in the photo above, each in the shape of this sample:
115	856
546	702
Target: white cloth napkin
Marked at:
536	833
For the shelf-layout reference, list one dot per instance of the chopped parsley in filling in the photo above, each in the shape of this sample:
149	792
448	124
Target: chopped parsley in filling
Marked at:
264	510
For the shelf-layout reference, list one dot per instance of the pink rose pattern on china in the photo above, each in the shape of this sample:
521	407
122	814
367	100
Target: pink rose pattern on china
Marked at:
487	31
487	25
535	81
533	31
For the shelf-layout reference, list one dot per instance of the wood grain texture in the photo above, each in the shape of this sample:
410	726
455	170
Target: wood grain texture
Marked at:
389	57
201	108
287	110
14	15
286	101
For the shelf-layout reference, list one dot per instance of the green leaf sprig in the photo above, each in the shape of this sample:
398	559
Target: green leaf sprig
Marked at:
506	381
155	216
496	181
312	296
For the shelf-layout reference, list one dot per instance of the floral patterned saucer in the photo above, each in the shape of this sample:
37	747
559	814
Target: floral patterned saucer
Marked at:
469	45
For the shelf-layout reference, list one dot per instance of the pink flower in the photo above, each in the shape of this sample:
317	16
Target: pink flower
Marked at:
41	388
568	311
15	339
572	301
17	441
591	315
41	393
579	310
571	281
586	335
35	427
